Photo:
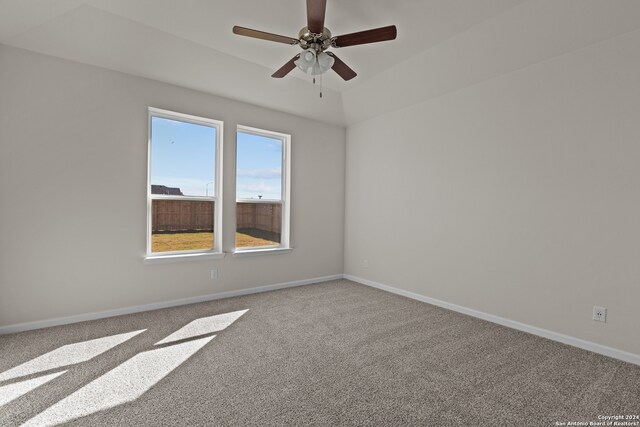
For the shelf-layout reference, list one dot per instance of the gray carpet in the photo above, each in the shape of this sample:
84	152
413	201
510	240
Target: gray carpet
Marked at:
336	353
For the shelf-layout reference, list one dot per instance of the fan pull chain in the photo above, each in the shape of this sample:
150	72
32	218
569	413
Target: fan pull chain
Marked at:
315	67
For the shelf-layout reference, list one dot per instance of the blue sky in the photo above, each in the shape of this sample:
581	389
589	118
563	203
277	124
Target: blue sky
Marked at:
259	167
183	156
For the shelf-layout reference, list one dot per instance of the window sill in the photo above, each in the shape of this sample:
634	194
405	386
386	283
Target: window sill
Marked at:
161	259
258	252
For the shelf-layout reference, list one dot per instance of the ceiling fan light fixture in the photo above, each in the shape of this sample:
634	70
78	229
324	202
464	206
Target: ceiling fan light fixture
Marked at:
314	64
325	62
307	61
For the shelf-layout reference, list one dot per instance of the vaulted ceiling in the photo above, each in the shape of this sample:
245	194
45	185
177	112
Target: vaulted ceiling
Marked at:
442	45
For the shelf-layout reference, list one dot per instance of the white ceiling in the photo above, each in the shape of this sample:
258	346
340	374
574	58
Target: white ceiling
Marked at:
422	24
190	43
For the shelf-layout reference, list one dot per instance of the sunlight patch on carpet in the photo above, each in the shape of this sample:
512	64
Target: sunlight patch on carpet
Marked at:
69	354
13	391
204	325
123	384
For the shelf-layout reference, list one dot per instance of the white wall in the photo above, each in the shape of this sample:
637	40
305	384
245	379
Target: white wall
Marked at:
517	196
73	155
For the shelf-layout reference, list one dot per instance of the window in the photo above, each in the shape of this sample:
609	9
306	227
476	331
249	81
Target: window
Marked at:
262	189
184	184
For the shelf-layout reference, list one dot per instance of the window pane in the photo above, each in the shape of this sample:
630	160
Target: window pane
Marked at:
259	167
181	225
258	224
183	158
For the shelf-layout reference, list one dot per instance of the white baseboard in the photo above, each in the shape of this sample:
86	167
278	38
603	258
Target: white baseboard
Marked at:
21	327
565	339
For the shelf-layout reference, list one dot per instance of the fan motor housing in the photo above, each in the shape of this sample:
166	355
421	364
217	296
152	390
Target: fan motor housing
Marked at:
318	42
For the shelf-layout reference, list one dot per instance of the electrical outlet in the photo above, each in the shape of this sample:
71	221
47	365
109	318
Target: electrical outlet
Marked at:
214	274
599	314
365	262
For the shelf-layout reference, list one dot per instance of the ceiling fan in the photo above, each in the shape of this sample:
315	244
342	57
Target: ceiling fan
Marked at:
315	39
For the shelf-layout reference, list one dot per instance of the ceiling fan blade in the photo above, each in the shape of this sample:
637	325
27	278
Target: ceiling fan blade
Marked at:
286	68
315	15
341	68
248	32
368	36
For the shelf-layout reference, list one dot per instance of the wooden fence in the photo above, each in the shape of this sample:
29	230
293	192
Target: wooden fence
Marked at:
188	215
181	215
261	216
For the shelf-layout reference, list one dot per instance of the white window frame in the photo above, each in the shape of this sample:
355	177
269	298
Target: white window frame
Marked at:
285	230
218	125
